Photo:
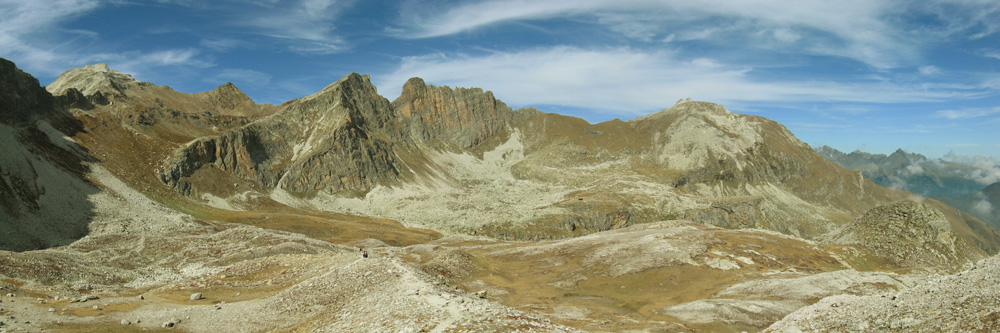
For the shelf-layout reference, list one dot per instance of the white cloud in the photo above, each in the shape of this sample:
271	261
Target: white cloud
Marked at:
308	25
26	27
858	27
968	113
786	35
222	44
425	21
983	170
140	63
29	36
303	26
929	70
983	208
24	16
630	82
912	170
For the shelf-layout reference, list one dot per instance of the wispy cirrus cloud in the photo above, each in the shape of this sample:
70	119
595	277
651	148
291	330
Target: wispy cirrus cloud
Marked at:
27	28
307	25
139	63
301	26
241	76
223	44
629	81
32	33
968	113
866	31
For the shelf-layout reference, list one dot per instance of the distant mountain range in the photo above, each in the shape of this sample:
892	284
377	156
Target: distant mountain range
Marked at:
963	186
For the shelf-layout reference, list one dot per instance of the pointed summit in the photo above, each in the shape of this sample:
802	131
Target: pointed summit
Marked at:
226	97
353	80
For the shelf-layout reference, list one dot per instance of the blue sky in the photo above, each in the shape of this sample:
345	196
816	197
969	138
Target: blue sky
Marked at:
855	74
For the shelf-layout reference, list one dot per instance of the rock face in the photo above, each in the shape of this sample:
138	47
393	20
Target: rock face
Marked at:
461	117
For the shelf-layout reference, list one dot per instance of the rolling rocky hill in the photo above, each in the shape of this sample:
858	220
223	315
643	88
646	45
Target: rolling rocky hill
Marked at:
148	208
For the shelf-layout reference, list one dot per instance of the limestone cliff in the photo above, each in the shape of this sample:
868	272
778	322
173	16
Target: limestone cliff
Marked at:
463	117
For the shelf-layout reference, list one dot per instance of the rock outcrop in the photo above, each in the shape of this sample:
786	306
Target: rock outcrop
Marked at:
907	234
22	99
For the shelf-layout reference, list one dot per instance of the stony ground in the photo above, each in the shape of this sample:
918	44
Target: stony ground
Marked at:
966	301
141	264
146	267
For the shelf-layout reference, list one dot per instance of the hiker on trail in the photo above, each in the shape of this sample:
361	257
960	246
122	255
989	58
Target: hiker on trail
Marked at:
364	253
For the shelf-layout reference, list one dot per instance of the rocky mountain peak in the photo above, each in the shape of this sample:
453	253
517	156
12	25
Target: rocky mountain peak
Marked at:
829	152
350	80
352	100
226	97
92	79
227	88
21	97
414	86
691	133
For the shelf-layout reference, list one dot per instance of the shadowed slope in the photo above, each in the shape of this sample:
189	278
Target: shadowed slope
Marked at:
43	189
